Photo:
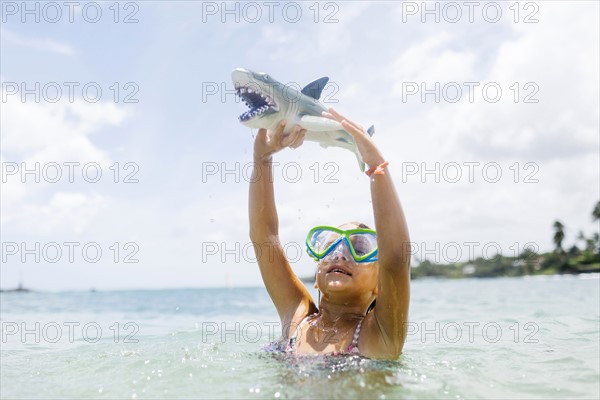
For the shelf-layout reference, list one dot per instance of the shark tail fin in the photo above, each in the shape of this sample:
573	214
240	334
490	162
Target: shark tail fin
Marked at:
361	163
371	130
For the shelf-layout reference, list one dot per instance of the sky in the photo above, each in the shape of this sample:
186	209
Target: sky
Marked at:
124	165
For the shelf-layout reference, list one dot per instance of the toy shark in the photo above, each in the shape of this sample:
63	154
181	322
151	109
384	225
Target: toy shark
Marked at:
270	101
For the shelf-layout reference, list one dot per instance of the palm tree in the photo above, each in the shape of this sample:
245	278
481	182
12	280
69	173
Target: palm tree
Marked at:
596	217
559	236
595	242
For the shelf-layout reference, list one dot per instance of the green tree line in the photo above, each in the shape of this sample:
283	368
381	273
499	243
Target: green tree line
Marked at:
582	256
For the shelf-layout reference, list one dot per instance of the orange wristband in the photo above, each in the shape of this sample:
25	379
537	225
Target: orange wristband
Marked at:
377	170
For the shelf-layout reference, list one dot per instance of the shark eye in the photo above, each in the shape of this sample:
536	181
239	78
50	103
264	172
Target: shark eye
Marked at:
267	77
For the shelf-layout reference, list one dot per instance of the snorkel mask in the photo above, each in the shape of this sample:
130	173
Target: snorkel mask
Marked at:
327	243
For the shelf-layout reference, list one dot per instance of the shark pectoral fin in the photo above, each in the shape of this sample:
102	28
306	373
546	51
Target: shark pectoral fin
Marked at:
319	124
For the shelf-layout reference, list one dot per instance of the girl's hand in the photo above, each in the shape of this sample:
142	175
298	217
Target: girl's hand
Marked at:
369	153
265	146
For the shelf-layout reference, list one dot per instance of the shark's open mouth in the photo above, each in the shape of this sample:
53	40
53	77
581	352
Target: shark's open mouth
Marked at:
258	103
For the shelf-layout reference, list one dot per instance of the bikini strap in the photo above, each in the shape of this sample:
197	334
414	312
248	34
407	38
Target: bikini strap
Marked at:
291	346
353	348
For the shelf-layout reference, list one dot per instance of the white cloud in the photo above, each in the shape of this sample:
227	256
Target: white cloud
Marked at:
63	213
433	60
56	132
40	133
12	190
10	38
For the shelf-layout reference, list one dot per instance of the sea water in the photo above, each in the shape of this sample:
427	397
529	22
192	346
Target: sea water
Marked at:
520	338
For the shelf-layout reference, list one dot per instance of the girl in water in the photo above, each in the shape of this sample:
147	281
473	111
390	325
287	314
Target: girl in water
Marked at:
363	275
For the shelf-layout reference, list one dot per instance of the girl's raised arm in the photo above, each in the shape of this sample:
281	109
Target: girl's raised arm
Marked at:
291	299
393	292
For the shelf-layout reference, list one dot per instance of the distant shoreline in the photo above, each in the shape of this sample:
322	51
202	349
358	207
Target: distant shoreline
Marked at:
306	280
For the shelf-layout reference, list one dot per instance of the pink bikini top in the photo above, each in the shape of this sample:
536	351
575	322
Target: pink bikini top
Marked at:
352	348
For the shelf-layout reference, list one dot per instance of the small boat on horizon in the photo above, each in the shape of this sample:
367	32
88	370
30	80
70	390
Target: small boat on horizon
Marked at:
19	288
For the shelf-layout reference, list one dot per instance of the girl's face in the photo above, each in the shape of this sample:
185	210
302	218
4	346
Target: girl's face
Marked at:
347	276
340	273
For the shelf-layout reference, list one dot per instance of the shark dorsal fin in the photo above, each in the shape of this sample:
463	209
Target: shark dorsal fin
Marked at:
315	88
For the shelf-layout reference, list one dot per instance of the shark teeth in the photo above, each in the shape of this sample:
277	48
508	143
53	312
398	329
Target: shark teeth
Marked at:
257	102
253	113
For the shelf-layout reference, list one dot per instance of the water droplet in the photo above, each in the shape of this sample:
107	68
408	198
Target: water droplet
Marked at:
277	394
212	220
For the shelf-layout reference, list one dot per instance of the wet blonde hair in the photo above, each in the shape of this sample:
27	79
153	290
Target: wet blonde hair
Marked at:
358	224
